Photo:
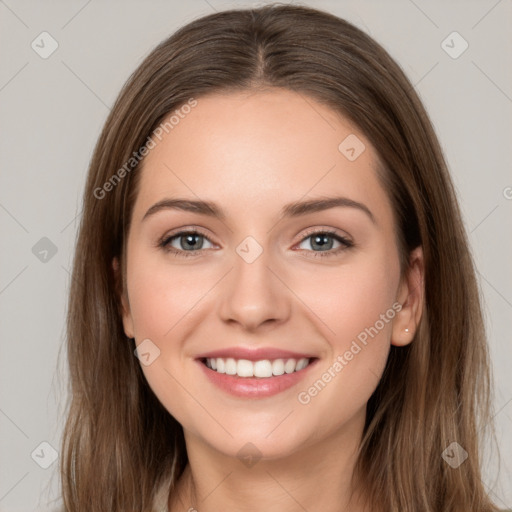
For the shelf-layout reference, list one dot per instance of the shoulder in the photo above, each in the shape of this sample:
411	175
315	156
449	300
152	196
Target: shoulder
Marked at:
159	501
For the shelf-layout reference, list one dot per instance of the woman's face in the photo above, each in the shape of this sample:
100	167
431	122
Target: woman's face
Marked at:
266	280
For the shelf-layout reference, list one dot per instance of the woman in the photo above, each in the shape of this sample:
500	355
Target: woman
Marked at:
272	287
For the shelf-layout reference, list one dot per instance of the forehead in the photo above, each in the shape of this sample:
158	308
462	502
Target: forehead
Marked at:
259	150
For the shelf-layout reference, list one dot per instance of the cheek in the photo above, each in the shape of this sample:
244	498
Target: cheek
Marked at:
161	296
355	303
350	298
164	302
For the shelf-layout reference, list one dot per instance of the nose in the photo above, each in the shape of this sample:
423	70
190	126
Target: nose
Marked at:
254	295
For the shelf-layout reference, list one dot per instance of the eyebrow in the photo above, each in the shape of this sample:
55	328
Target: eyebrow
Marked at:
295	209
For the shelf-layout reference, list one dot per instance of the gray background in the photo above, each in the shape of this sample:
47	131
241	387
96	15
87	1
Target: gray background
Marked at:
52	111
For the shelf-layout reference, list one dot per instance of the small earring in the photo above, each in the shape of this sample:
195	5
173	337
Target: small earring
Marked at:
406	330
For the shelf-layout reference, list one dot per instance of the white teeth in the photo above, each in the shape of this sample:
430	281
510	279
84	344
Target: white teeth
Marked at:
220	365
230	366
263	368
290	365
278	367
302	364
244	368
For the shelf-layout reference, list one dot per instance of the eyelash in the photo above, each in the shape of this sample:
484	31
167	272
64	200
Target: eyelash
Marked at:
164	243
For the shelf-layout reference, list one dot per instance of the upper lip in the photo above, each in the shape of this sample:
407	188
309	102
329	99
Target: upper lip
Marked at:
254	354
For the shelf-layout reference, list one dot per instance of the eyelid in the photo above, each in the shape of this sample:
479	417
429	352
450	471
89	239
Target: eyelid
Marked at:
325	229
309	231
185	230
345	241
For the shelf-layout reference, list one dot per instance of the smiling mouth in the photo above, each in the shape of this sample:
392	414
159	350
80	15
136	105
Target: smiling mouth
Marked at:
264	368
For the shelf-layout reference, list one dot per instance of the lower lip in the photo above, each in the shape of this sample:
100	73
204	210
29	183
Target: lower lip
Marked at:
255	387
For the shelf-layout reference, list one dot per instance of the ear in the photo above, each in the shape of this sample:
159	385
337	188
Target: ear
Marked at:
123	300
411	294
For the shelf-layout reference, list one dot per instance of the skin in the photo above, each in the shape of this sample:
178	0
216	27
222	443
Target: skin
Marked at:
252	153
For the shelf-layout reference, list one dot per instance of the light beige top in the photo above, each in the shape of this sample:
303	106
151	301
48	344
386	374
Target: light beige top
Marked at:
160	502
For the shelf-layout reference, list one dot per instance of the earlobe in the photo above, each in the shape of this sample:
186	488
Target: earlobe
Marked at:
411	297
124	306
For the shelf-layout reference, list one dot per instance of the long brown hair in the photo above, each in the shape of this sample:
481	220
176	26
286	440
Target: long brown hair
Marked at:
120	444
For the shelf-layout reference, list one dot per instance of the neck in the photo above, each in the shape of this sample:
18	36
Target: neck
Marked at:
317	477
